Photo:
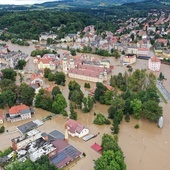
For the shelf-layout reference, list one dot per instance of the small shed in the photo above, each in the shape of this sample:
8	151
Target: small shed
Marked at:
96	147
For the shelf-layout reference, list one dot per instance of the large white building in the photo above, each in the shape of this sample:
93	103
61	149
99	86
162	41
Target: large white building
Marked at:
154	64
88	70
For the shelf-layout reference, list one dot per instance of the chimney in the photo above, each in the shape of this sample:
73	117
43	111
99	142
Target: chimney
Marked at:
66	133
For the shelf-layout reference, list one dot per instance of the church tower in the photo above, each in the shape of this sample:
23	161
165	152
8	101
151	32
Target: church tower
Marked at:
65	65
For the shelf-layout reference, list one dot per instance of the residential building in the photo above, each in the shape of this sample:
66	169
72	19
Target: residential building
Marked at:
143	52
22	141
154	64
36	79
166	53
70	37
128	59
132	50
76	129
46	63
20	112
45	36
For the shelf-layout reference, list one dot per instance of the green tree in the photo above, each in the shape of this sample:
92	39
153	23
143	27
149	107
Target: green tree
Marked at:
110	160
59	105
151	110
73	52
9	73
100	91
59	78
88	104
21	64
27	94
9	97
44	100
73	85
127	117
136	106
100	119
46	72
51	77
56	90
41	163
6	84
73	113
117	106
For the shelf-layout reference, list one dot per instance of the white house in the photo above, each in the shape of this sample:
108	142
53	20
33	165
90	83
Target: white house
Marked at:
76	129
154	64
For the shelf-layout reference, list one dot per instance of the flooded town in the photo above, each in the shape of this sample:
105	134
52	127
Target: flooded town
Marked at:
143	148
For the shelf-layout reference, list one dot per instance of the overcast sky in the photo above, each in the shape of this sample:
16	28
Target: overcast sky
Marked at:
19	2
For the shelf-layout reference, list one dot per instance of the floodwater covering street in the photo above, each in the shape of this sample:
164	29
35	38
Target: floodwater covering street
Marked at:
146	148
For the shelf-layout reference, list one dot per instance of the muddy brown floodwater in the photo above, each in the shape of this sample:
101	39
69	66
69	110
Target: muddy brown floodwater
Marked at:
146	148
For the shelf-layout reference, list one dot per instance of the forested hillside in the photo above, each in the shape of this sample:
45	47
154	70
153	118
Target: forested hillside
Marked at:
29	24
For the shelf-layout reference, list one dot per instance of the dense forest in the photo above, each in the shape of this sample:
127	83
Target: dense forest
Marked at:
29	24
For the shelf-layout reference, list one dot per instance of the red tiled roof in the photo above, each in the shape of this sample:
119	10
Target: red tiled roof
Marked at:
45	60
89	73
34	76
155	59
74	126
17	109
143	49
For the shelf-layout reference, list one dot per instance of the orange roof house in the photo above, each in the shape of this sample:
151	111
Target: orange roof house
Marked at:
17	113
17	109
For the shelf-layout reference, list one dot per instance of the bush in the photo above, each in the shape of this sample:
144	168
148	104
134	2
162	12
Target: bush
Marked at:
127	118
136	126
86	85
2	129
6	152
100	120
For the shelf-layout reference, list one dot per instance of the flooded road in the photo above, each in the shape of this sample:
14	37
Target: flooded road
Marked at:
146	148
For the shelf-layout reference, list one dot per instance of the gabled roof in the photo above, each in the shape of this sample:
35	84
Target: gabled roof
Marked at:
35	76
45	60
155	59
18	109
74	126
